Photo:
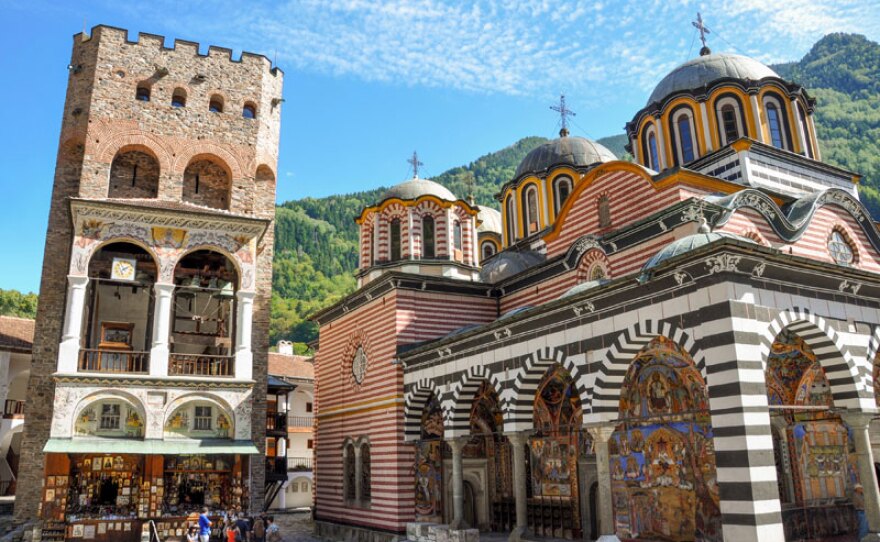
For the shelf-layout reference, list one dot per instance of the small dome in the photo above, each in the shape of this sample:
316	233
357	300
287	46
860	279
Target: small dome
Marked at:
706	69
687	244
569	151
583	287
416	188
491	220
508	263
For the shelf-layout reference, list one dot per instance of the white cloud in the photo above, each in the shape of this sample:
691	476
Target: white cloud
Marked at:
531	47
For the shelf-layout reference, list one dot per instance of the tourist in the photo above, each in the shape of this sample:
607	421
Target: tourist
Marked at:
272	532
259	530
192	535
204	526
243	527
858	500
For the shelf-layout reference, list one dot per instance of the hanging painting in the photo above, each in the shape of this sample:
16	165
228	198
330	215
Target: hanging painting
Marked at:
428	465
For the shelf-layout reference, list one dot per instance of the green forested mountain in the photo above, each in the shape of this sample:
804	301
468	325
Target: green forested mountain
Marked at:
15	303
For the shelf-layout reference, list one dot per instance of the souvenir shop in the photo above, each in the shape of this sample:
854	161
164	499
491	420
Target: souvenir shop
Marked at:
117	496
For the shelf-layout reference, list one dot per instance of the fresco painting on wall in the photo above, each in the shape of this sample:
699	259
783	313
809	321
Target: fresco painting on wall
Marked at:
812	441
664	485
429	465
488	442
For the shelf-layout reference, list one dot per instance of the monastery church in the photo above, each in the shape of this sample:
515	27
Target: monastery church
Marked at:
678	348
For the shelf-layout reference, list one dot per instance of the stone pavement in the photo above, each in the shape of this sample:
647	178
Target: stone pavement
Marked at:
296	527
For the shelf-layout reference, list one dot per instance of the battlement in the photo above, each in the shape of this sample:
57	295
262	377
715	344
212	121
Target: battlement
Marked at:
103	32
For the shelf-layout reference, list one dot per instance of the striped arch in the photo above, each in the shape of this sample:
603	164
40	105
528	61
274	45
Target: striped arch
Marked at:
605	397
589	260
517	405
463	395
414	405
851	385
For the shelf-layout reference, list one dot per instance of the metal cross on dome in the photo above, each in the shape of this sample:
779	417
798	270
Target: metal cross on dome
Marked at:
564	113
698	24
414	162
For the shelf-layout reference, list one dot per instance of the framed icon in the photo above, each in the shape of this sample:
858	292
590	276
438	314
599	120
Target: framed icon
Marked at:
116	335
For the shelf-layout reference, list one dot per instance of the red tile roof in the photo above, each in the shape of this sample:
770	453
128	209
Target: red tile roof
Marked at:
288	366
16	334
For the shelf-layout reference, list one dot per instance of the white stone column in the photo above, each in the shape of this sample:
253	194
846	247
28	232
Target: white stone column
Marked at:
476	255
601	435
457	444
636	151
756	113
707	135
68	350
243	331
161	329
799	126
816	151
450	234
518	442
661	142
860	422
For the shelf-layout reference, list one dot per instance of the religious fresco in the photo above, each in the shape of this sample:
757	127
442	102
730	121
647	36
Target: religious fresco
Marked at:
200	421
816	463
429	465
109	419
663	479
488	442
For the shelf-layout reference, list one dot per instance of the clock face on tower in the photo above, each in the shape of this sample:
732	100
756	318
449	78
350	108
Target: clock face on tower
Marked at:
123	269
359	365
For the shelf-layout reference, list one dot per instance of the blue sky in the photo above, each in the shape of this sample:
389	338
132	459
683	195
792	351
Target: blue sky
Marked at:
368	82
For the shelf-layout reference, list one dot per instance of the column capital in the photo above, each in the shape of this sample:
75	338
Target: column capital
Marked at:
77	280
457	443
245	295
600	432
859	419
517	438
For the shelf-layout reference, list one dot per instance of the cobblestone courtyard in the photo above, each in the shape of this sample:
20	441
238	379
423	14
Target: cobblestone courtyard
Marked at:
296	527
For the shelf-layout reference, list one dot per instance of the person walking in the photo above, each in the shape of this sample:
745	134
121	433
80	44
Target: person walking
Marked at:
273	534
204	526
259	532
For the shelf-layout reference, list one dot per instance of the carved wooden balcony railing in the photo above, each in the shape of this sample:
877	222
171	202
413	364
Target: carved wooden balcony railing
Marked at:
97	360
200	365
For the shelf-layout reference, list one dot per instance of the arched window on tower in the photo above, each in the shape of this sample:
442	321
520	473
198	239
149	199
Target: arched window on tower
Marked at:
216	104
142	94
487	250
365	480
457	240
134	174
684	128
510	206
561	191
394	238
178	98
374	253
653	151
207	182
249	111
604	212
429	245
530	210
730	123
349	481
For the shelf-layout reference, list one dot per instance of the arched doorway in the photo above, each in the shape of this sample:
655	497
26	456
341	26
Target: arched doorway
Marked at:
488	450
662	457
429	464
470	505
554	504
815	464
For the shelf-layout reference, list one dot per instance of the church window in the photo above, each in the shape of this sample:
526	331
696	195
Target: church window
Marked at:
178	98
729	119
349	480
110	414
685	137
216	104
359	365
563	189
604	211
804	126
531	210
202	419
249	111
456	235
429	250
653	152
365	472
143	93
511	220
841	250
488	249
775	115
395	239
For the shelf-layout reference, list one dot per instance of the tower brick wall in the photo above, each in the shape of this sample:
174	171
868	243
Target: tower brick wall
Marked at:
103	118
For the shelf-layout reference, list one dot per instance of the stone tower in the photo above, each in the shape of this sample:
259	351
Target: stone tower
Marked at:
164	192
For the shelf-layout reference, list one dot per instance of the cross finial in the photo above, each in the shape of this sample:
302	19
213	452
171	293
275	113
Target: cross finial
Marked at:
699	25
564	113
414	162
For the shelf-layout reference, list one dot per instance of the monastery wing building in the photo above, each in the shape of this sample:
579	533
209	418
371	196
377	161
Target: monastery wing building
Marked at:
681	347
147	393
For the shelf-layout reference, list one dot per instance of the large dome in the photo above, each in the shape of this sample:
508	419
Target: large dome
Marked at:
706	69
416	188
570	151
